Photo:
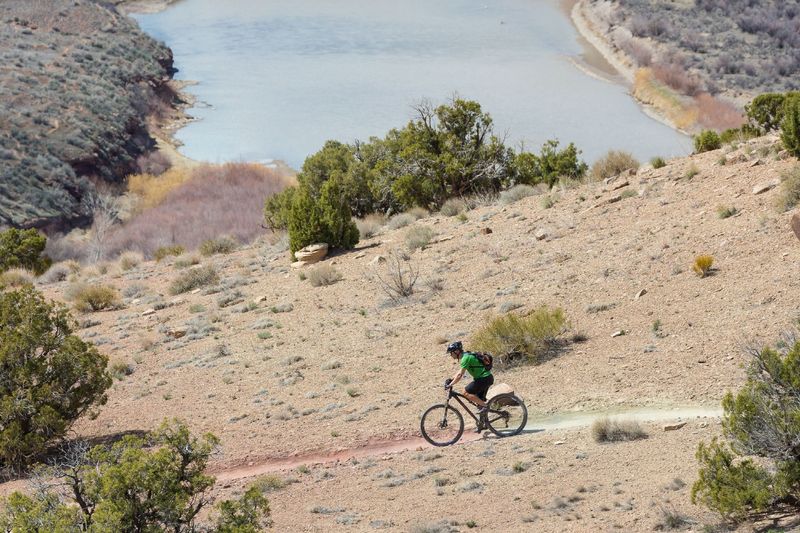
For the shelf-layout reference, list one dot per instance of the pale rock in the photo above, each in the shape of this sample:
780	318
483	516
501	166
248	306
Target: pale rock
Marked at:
499	388
359	255
262	298
674	427
764	187
195	291
149	312
640	294
754	163
312	253
540	234
135	301
177	333
621	184
796	224
559	442
377	260
618	333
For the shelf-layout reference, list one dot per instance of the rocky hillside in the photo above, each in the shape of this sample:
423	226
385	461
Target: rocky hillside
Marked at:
77	84
279	367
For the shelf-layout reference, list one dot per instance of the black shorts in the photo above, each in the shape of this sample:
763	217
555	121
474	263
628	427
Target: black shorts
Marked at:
479	387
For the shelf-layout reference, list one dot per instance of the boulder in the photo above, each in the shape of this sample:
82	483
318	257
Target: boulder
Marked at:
486	231
796	224
377	260
540	234
674	427
312	253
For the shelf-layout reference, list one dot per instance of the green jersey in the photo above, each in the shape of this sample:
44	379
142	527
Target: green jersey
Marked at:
474	366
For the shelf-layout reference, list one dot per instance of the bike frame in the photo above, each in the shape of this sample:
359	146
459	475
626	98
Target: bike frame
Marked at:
458	397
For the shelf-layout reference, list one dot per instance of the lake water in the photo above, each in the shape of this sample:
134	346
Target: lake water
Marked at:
279	77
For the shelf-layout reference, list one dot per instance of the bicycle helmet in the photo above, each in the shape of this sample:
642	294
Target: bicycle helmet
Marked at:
455	347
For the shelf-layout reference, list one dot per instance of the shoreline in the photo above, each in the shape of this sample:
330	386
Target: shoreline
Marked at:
623	68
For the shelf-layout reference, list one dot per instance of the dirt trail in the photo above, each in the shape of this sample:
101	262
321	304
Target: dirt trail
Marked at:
558	421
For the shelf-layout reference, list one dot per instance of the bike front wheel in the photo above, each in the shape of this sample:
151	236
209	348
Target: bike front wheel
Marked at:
507	415
442	425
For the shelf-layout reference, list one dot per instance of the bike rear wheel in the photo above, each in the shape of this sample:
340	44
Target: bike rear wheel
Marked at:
507	415
442	425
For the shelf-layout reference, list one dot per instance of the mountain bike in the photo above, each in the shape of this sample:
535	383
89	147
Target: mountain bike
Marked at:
442	424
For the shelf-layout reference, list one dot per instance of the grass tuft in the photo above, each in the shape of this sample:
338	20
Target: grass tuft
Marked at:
702	265
194	278
323	275
609	430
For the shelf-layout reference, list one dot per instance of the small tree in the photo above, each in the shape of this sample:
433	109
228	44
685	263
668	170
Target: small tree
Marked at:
137	484
50	377
790	125
765	111
706	140
761	420
23	249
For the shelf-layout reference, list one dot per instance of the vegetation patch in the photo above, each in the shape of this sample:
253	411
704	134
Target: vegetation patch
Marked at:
612	430
194	278
323	275
88	297
612	164
514	337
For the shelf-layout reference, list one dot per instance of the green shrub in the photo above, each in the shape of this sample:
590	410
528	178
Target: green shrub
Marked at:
790	189
418	237
513	336
739	134
691	172
326	219
323	275
165	251
194	278
120	369
790	125
453	207
613	163
762	420
765	111
658	162
606	429
50	376
277	209
23	249
706	140
156	483
516	193
549	166
220	245
90	298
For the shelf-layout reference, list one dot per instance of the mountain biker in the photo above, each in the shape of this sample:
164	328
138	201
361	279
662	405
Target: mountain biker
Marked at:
482	377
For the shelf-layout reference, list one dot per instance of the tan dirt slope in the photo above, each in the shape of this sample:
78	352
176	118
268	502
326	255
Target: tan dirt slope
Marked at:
288	368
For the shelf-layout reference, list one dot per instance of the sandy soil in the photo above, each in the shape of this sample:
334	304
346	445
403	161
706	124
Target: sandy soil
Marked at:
288	369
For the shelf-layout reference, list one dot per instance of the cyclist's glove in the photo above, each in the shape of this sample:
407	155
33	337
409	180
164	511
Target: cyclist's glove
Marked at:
447	383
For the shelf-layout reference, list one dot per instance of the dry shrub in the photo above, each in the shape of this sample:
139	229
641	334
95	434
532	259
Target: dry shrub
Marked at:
86	297
637	50
370	225
716	113
609	430
400	220
130	260
514	337
516	193
269	483
418	237
163	252
69	247
154	163
16	277
217	200
400	277
194	278
60	271
675	76
220	245
152	189
186	260
323	275
453	206
418	212
612	164
702	265
790	189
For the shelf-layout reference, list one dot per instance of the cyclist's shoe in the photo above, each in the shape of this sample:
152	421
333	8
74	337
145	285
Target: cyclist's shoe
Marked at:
481	427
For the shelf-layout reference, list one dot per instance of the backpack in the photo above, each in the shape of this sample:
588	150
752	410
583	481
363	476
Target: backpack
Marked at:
485	358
